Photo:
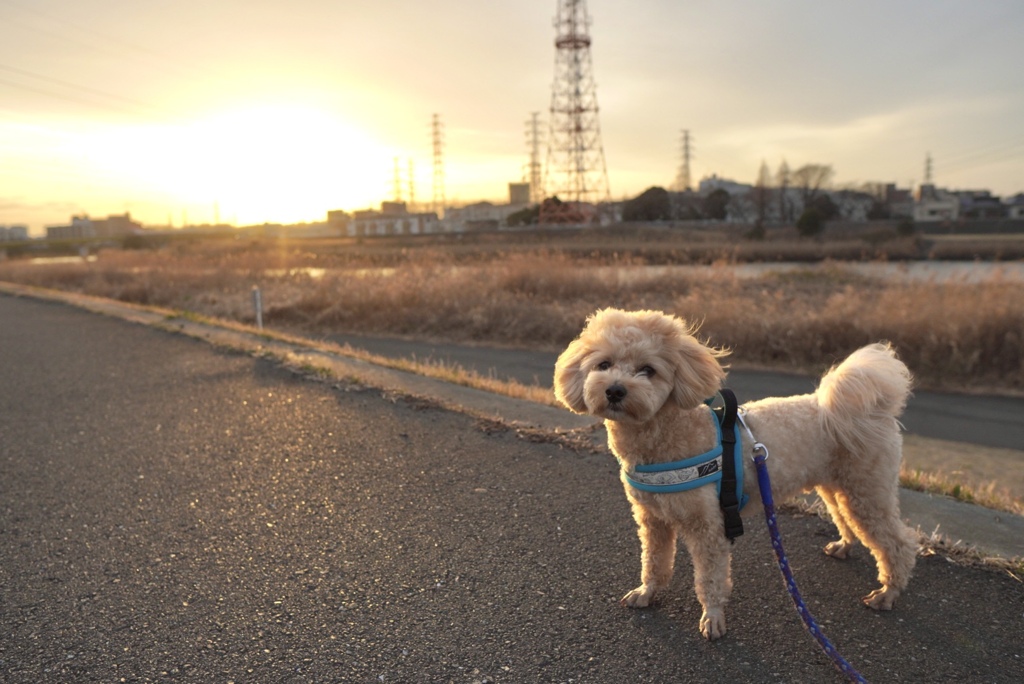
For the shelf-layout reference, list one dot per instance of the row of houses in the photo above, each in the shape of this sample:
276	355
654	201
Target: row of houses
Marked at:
928	204
936	204
745	204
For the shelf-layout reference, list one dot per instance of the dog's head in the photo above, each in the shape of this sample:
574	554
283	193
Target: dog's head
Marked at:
626	364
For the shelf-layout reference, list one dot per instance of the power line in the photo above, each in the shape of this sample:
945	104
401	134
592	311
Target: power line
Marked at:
984	158
142	107
106	42
124	51
49	93
991	148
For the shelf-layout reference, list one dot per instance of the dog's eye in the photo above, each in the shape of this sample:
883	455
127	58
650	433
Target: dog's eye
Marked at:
604	365
647	372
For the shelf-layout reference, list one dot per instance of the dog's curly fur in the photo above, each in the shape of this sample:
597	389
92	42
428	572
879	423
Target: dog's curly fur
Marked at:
646	374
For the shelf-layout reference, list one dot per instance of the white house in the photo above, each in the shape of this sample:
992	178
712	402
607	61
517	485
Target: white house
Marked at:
933	204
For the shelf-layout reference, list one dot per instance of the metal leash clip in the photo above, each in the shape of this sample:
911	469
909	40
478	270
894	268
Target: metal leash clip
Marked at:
758	447
758	450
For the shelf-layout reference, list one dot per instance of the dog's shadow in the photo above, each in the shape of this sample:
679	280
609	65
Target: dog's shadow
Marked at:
761	613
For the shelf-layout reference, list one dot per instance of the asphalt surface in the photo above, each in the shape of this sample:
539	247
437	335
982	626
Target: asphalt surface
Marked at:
992	421
172	511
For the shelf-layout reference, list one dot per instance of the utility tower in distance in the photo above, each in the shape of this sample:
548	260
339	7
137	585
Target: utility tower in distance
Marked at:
396	183
412	187
534	174
683	178
437	137
576	172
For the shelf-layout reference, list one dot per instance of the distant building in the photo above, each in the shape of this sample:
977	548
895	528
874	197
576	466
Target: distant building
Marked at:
853	205
487	215
479	216
393	208
338	221
83	227
711	183
392	219
934	204
13	233
899	201
519	193
980	204
1015	206
116	226
78	230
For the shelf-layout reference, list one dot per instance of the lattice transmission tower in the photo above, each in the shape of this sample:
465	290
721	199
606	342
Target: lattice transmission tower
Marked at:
534	171
683	178
412	187
437	138
575	172
396	183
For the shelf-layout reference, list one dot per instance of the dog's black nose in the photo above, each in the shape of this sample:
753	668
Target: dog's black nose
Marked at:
615	393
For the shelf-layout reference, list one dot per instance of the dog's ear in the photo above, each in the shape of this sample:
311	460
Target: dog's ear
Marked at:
569	379
698	374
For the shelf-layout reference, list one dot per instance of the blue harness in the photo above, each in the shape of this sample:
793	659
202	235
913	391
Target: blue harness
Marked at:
707	468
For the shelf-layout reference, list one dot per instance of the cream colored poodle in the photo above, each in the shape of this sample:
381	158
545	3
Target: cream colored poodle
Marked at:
647	375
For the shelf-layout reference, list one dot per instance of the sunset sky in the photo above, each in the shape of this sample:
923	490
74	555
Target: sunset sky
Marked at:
255	111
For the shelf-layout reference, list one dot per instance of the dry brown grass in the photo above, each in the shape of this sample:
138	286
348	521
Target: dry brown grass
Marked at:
991	495
954	335
989	476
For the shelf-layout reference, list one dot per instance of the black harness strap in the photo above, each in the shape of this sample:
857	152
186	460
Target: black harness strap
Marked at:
728	498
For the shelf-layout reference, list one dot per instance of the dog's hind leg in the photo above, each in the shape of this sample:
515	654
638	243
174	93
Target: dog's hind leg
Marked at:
657	558
875	519
840	548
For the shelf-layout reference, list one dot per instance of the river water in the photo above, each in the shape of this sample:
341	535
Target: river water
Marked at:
911	271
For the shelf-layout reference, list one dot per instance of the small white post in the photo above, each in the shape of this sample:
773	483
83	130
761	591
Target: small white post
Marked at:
257	304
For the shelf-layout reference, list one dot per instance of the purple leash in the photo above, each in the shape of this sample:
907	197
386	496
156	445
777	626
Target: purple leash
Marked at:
765	485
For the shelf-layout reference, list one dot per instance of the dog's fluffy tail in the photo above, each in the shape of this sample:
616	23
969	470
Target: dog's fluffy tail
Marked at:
864	395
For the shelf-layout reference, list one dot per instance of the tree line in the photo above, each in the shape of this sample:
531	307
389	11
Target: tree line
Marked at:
795	197
792	197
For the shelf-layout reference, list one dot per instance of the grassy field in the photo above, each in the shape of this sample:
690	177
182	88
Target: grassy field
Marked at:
535	290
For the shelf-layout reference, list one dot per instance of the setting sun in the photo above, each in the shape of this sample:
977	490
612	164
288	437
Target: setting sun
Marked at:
192	112
262	163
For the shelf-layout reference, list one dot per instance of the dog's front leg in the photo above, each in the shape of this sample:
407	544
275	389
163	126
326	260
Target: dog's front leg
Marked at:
658	557
711	555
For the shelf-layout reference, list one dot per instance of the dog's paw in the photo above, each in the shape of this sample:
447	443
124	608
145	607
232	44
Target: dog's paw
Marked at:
712	624
881	599
638	598
838	549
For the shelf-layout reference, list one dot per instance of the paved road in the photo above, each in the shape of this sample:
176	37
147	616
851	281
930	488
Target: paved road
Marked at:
169	511
983	420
